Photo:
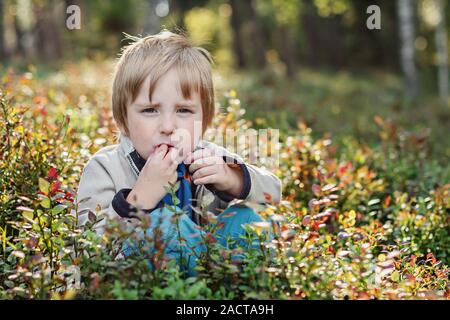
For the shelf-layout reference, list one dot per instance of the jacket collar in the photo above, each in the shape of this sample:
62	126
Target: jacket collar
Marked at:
125	144
130	153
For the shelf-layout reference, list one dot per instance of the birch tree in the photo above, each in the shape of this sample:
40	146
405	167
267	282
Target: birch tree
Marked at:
2	42
152	19
442	52
407	50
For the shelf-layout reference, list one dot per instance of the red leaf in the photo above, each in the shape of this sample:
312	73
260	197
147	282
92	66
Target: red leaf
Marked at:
68	196
55	187
413	260
52	173
432	257
387	201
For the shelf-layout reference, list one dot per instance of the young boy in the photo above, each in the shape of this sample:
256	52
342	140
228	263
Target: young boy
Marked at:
163	102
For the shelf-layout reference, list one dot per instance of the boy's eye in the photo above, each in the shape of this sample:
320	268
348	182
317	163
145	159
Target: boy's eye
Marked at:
149	110
184	110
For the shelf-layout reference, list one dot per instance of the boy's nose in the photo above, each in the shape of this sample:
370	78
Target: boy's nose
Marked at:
167	126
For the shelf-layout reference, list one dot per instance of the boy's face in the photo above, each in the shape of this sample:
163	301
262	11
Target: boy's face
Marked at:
168	118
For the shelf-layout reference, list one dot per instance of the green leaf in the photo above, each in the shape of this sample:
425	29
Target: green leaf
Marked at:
58	209
44	186
395	276
27	215
45	203
174	186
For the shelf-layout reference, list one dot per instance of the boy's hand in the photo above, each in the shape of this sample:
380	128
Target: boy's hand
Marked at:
207	168
158	171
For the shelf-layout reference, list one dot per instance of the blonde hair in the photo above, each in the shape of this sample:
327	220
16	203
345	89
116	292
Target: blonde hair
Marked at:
153	56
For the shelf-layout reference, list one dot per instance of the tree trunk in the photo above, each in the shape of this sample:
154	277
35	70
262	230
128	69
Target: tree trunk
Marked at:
25	30
19	49
258	39
442	53
236	24
178	10
287	55
152	21
2	40
310	26
335	42
405	9
48	44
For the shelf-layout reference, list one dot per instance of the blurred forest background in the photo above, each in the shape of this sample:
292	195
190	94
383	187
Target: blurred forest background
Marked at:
289	60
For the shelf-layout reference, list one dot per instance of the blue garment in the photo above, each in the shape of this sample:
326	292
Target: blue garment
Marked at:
192	243
123	208
183	193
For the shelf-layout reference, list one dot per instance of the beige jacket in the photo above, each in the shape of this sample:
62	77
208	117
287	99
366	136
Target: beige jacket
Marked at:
113	168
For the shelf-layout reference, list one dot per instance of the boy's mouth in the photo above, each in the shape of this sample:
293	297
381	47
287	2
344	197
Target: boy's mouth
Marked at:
167	144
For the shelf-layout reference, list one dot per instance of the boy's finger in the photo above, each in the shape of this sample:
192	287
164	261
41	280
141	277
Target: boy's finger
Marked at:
179	155
152	154
198	154
203	172
160	152
173	166
173	155
204	162
211	179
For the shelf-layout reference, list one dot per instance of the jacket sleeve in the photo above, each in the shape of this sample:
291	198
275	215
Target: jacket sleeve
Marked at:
96	190
263	183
